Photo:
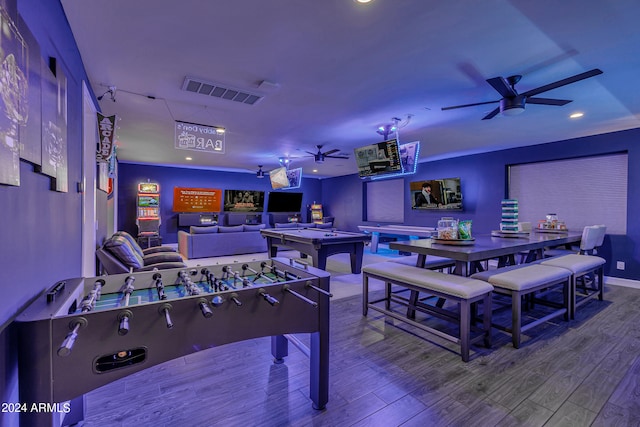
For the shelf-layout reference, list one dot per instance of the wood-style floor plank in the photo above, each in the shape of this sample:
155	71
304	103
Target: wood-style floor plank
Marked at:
383	373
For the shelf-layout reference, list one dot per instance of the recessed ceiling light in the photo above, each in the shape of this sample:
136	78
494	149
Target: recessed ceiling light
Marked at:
188	158
315	170
363	1
576	115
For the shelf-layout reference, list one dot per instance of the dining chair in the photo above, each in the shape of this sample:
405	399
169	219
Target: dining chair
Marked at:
592	238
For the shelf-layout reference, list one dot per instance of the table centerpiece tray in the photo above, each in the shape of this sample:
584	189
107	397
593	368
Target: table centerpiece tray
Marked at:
551	230
509	234
454	242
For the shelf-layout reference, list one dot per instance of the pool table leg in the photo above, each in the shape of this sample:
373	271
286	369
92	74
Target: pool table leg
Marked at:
356	258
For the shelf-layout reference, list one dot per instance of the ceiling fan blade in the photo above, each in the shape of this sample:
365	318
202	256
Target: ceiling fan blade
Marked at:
503	88
492	114
335	150
563	82
548	101
468	105
313	154
337	157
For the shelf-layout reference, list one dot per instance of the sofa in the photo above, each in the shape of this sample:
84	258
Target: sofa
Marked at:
121	253
219	240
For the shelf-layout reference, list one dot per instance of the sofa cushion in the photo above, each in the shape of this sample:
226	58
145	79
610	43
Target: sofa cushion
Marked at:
131	241
162	257
231	228
203	230
306	225
325	225
120	248
254	227
286	225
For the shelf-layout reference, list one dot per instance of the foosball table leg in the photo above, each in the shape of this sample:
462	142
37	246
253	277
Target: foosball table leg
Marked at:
319	365
279	348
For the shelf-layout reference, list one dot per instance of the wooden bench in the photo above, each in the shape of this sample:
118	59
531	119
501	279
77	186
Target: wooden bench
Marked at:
432	262
580	266
524	280
462	290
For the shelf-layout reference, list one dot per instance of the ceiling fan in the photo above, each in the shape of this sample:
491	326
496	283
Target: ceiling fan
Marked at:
320	156
513	103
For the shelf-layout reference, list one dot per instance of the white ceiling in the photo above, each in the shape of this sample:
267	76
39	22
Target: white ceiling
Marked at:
342	69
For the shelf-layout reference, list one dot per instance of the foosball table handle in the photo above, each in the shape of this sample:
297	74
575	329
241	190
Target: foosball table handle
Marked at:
204	308
268	298
164	310
287	288
70	339
322	291
123	317
236	301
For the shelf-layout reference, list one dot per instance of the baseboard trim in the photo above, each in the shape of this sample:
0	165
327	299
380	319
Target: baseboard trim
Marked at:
618	281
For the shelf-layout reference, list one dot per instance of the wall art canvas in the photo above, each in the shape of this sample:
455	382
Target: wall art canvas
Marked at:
13	98
31	132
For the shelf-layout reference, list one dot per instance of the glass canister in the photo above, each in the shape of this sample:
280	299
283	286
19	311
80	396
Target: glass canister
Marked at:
447	228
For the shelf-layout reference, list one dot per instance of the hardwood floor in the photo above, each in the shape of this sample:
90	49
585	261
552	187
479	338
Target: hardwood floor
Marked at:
579	373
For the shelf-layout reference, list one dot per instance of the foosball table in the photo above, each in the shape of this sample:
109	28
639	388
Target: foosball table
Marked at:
84	333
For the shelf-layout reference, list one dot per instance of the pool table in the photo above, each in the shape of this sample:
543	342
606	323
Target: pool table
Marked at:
318	244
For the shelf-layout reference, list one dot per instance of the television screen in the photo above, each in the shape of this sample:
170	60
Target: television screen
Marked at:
284	202
149	201
295	178
436	194
279	178
378	159
243	201
409	156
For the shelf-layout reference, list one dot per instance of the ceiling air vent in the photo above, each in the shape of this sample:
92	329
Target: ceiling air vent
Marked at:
220	91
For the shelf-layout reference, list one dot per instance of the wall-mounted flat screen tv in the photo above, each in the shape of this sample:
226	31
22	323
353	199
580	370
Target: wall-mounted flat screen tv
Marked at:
378	159
409	156
284	202
436	194
243	201
279	178
295	178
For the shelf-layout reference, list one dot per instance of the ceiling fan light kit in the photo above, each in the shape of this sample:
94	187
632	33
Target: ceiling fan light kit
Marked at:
512	106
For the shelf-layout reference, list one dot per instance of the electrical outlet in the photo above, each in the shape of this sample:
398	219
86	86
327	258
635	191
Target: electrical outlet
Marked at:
620	265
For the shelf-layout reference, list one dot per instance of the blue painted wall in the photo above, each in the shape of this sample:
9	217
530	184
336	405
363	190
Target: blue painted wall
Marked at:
40	228
484	183
129	175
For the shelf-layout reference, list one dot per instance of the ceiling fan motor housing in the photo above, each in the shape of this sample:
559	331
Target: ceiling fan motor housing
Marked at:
512	105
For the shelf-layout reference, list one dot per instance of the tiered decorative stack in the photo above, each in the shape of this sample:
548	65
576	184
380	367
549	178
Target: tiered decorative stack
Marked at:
509	223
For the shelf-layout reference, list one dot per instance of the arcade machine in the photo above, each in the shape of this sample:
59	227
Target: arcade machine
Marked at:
86	332
148	213
316	213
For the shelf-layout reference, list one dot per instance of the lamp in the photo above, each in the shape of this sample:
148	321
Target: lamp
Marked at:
512	106
284	161
396	123
260	173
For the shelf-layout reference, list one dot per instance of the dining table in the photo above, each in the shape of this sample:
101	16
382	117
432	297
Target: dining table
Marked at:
469	254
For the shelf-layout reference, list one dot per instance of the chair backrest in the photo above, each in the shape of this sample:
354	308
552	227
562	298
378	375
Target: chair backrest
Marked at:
591	236
602	233
148	226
